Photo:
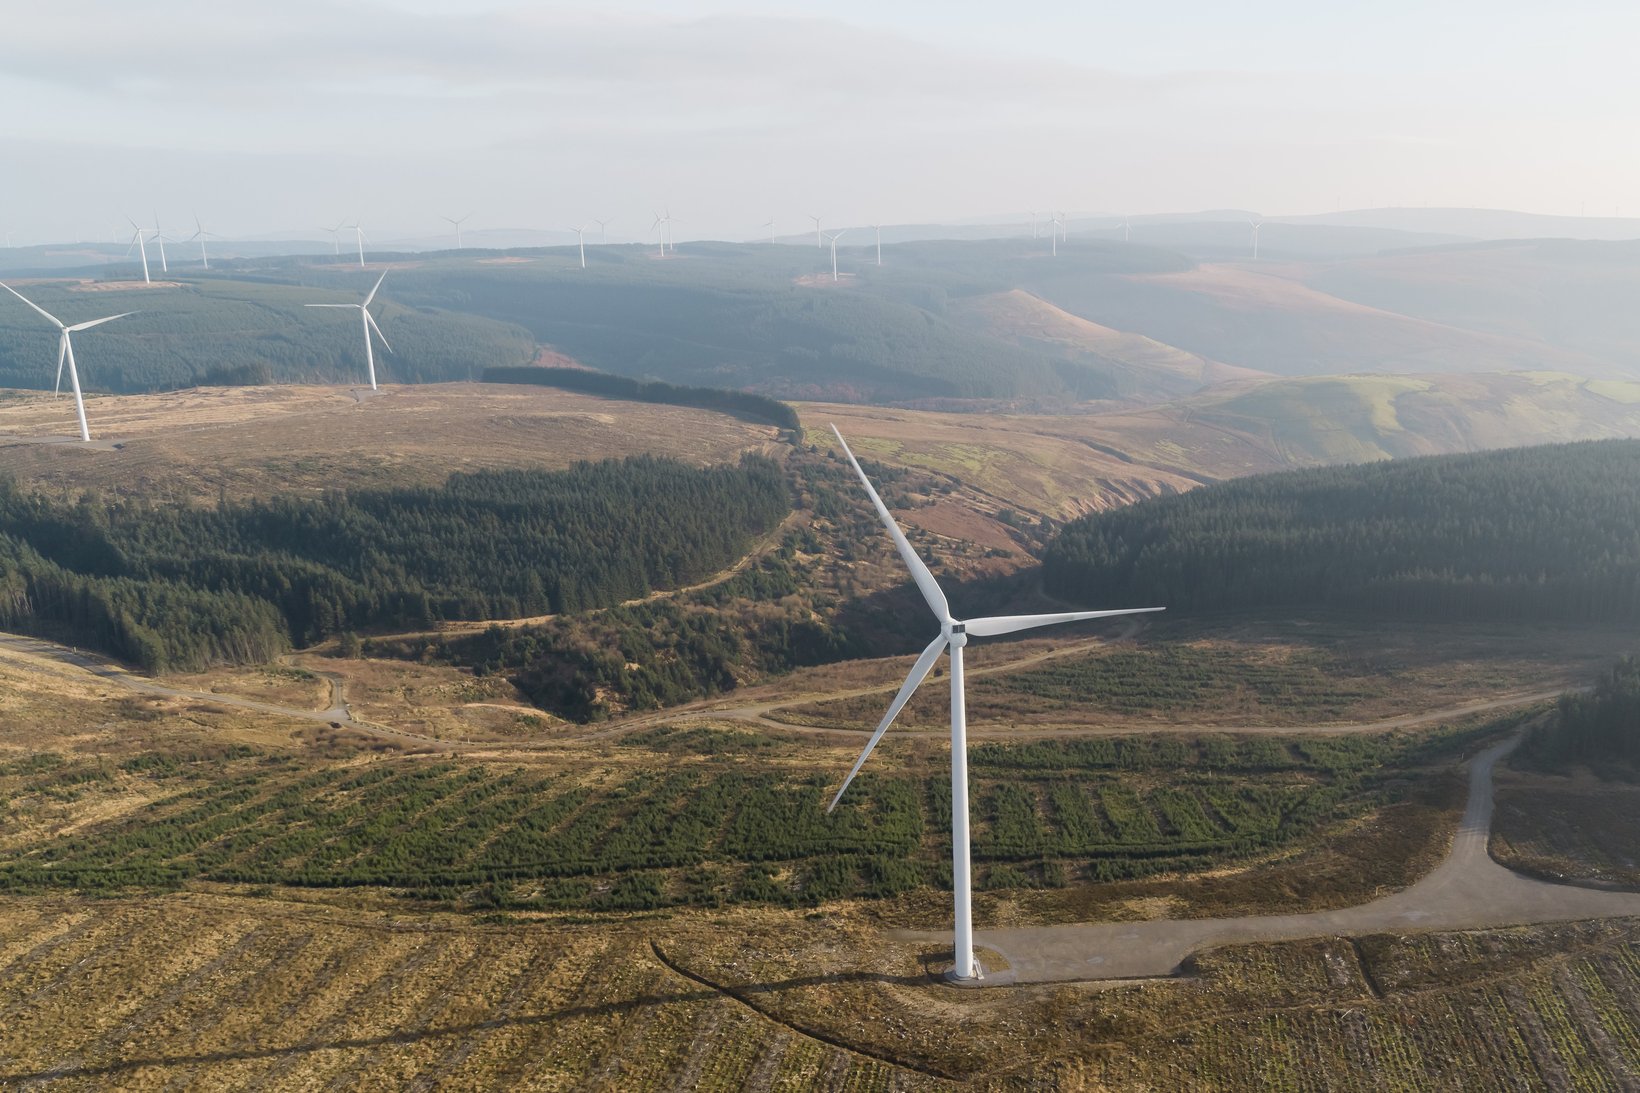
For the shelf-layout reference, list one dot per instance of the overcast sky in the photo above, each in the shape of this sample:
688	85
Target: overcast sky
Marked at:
287	114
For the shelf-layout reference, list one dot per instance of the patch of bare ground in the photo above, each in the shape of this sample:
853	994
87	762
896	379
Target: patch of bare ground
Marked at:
1575	827
201	445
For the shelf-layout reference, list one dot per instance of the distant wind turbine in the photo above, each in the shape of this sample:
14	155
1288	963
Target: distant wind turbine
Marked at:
581	241
139	241
456	222
201	234
65	352
369	325
602	224
359	235
816	220
878	228
1127	229
1034	233
335	236
1057	224
834	236
770	226
953	636
1256	224
159	236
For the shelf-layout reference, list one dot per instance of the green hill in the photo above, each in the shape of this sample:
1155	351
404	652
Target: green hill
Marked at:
1528	533
214	329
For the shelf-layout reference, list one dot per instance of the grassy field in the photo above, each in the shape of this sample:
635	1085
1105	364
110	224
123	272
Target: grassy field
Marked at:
199	445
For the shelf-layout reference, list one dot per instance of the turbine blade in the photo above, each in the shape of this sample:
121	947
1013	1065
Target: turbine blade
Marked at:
96	322
919	572
56	321
372	321
1007	624
330	305
372	295
919	672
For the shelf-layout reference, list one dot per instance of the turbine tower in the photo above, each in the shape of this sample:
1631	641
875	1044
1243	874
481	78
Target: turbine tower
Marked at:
581	241
663	221
65	352
201	234
834	236
1256	224
953	636
369	325
878	228
770	226
816	220
456	222
1057	225
602	224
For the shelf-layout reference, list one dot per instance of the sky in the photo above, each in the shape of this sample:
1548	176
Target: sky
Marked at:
263	118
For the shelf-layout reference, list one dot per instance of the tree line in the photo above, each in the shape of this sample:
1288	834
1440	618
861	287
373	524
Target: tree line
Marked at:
1549	532
1600	729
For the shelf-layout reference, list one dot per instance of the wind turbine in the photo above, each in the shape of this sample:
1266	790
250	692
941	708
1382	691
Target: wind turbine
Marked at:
369	325
159	236
139	240
1034	233
663	220
456	222
359	234
816	220
953	636
834	236
1256	225
1057	225
878	228
770	226
202	235
601	225
580	239
335	236
65	352
1127	230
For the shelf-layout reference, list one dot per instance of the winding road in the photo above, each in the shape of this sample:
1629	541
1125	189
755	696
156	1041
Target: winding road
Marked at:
1467	891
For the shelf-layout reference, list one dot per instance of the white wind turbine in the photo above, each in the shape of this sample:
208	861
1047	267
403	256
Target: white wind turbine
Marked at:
139	240
456	222
602	224
1127	229
159	237
581	241
953	636
65	352
335	236
201	234
369	325
770	226
833	237
663	221
878	228
816	220
1058	224
1256	224
359	235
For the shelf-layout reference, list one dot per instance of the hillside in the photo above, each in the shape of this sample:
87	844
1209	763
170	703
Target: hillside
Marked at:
204	444
1528	533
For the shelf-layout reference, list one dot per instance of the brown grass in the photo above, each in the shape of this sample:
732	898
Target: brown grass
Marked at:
198	445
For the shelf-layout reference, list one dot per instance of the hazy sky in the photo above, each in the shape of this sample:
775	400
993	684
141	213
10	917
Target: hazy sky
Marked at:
286	114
